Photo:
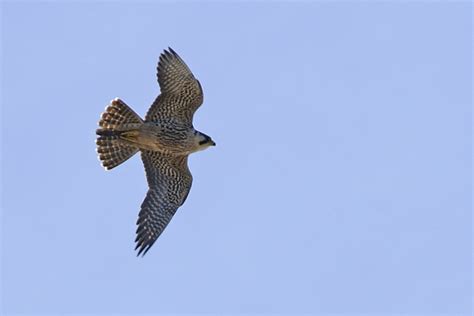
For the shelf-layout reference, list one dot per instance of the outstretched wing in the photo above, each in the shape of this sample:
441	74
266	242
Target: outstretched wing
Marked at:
169	181
181	93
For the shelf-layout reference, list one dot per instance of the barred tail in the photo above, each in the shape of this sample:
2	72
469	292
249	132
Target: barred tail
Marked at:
117	118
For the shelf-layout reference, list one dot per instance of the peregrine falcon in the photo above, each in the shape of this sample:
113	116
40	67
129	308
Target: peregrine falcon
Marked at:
165	139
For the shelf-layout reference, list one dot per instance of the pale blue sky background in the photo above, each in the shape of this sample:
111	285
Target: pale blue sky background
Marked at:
341	180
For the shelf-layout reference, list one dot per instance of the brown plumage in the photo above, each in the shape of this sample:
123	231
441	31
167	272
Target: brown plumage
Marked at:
165	138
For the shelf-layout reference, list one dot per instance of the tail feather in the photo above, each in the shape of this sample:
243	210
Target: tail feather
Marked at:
117	118
118	115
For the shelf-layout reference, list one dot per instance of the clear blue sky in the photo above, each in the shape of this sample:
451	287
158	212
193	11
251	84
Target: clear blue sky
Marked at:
341	180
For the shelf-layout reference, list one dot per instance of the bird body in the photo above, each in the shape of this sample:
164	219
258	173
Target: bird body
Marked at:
169	137
165	139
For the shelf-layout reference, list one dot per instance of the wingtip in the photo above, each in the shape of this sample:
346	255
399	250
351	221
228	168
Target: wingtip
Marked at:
169	52
167	56
143	250
139	252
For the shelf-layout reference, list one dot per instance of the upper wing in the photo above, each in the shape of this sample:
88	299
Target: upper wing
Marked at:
169	181
181	93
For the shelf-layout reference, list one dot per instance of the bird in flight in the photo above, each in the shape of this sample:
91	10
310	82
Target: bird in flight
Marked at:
164	139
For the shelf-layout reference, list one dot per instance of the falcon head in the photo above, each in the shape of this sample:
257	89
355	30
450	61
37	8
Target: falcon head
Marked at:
203	141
